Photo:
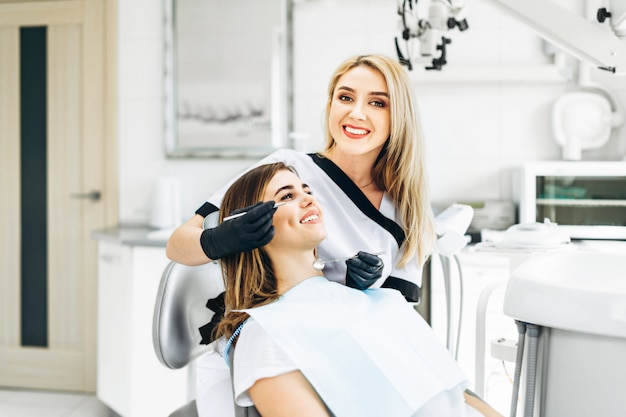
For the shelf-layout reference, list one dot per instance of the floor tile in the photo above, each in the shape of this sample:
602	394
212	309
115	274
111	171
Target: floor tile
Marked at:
91	407
26	403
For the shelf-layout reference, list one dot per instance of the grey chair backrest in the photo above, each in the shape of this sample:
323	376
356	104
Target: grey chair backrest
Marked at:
180	309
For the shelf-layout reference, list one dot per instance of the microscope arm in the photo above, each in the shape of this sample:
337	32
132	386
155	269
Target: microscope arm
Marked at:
580	37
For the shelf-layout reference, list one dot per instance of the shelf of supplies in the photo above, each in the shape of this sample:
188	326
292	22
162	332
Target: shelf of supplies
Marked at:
571	202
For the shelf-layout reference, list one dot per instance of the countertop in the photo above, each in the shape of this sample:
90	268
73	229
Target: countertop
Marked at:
133	235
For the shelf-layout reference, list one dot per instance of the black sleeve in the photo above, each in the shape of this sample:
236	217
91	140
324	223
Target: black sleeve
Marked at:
410	291
218	307
206	209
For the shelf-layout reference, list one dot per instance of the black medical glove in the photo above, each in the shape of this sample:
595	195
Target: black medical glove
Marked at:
250	231
363	270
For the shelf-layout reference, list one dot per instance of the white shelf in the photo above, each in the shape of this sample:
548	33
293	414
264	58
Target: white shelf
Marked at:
571	202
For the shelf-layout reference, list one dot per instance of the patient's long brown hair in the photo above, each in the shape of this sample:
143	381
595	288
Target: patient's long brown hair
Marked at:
248	277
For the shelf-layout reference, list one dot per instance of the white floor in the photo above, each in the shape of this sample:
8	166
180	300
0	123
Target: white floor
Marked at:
26	403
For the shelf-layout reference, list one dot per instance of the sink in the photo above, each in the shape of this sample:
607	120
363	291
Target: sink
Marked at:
580	291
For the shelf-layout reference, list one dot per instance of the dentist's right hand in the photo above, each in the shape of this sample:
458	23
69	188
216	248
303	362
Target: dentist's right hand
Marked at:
250	231
363	270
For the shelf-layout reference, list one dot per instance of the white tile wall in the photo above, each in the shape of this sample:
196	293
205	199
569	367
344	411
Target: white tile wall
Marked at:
476	132
140	61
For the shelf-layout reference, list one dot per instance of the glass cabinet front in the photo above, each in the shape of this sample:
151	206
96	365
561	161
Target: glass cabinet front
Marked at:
581	200
587	199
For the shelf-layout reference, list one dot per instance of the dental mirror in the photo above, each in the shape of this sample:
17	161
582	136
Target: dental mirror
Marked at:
318	264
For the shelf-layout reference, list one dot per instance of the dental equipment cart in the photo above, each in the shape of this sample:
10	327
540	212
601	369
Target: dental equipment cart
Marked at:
570	309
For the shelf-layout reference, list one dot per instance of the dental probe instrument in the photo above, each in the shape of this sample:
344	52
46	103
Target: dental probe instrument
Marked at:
318	264
276	205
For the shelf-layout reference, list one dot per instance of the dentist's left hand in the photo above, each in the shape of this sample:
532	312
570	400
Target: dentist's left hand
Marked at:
363	270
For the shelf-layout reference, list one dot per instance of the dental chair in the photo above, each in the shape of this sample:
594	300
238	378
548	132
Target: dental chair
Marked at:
178	313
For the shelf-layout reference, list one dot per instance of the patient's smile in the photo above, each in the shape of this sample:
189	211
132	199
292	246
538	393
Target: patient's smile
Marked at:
310	218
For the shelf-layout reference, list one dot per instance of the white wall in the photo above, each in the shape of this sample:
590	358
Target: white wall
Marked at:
141	149
477	130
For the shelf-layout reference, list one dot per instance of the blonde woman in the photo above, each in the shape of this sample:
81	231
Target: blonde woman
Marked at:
370	176
302	345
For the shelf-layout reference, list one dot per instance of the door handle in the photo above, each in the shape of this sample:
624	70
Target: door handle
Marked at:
92	195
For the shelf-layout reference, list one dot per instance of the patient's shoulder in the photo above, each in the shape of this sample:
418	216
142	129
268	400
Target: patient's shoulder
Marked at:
257	357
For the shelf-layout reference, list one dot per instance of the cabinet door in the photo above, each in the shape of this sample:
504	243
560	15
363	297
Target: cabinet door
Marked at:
586	199
114	333
131	380
156	389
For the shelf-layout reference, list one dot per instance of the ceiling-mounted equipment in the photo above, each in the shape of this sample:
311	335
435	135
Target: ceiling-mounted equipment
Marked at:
600	41
589	41
429	29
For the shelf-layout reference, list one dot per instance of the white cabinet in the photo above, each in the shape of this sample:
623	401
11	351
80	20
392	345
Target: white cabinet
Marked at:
131	380
587	199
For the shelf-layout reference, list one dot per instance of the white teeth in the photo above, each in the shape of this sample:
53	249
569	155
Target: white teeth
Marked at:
309	218
356	131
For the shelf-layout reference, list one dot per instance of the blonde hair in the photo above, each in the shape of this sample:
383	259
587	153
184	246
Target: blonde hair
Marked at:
249	279
399	168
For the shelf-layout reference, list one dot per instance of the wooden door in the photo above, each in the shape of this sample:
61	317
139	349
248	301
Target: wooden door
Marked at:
52	174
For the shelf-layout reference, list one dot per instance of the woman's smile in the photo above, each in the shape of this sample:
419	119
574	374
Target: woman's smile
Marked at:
355	132
310	217
360	117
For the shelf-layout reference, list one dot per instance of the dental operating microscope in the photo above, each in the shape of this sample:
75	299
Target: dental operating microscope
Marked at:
600	41
428	29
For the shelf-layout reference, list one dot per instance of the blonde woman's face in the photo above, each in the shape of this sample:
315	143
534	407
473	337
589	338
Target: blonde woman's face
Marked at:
360	116
299	223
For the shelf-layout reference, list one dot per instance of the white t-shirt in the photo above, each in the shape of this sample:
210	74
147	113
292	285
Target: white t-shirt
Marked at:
257	357
260	355
214	389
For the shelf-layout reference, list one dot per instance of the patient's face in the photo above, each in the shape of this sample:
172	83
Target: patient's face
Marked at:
298	224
